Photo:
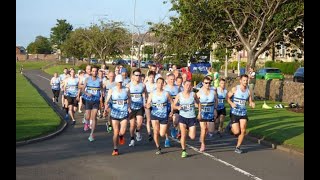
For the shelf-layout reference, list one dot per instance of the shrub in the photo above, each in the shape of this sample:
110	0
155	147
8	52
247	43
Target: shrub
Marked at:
197	78
234	65
83	66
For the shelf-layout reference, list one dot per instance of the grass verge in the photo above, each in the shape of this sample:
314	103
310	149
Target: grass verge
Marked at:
34	117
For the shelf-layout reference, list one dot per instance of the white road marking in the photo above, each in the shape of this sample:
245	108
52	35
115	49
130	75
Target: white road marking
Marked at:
209	155
221	161
43	77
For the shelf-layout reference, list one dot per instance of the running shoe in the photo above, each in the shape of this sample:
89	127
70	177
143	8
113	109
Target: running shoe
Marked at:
121	140
158	151
138	136
238	150
131	143
173	132
167	143
184	154
73	122
91	138
115	153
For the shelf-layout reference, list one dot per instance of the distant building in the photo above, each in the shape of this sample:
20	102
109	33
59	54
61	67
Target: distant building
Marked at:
20	50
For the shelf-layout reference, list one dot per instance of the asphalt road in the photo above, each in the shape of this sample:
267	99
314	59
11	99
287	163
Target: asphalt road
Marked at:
71	156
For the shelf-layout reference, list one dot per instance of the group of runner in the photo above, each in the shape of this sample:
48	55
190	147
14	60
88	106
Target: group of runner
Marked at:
168	104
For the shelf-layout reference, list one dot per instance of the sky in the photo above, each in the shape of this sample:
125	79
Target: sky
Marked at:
37	17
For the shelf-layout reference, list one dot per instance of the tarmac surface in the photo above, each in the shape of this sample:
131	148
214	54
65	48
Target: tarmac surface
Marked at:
69	155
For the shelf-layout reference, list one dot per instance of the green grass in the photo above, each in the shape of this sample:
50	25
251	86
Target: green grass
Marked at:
59	69
280	126
34	117
32	64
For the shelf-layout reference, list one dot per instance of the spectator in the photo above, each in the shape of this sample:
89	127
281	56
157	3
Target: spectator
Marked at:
252	81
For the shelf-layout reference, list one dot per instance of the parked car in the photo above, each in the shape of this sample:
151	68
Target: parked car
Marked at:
134	63
119	61
93	61
149	62
269	73
298	76
143	64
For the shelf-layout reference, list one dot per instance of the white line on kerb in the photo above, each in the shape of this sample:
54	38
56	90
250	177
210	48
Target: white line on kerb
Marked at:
209	155
221	161
44	77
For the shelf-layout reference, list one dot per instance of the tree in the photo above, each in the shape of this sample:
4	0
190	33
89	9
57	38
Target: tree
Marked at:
108	40
251	25
41	45
60	32
75	45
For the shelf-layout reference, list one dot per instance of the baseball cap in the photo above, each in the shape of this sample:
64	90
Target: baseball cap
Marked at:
119	78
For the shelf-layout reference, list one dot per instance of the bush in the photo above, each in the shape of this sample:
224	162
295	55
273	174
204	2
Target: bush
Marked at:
197	77
234	65
83	66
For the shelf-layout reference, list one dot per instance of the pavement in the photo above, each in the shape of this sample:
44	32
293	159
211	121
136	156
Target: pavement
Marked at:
69	155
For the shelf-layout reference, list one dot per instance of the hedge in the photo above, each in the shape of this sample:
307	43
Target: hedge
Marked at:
285	67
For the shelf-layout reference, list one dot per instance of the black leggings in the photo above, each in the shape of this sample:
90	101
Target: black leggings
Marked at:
56	93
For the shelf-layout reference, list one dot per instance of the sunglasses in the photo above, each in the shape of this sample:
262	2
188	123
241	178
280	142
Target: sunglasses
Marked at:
206	82
137	74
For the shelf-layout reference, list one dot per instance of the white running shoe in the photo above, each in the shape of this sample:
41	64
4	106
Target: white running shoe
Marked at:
138	136
131	143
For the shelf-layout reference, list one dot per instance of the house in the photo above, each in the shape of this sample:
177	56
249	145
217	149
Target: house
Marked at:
20	50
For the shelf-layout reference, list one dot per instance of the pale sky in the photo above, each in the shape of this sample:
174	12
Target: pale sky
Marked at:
37	17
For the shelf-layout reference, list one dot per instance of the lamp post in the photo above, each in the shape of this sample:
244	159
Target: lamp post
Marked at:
134	22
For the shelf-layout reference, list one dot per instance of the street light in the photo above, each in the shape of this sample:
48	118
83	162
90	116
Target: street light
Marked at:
134	22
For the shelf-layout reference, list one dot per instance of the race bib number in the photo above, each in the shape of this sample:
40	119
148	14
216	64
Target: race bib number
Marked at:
206	109
241	102
120	102
160	106
72	88
220	101
94	92
136	96
186	107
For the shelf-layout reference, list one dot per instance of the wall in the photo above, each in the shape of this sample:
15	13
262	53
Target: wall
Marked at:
23	57
276	90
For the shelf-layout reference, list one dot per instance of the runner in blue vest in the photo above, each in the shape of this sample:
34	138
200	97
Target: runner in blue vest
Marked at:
207	109
92	94
187	118
55	86
119	96
173	90
158	100
238	114
72	92
221	110
138	102
107	85
150	86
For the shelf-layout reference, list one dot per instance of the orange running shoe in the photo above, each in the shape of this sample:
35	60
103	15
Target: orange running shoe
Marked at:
121	140
115	153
